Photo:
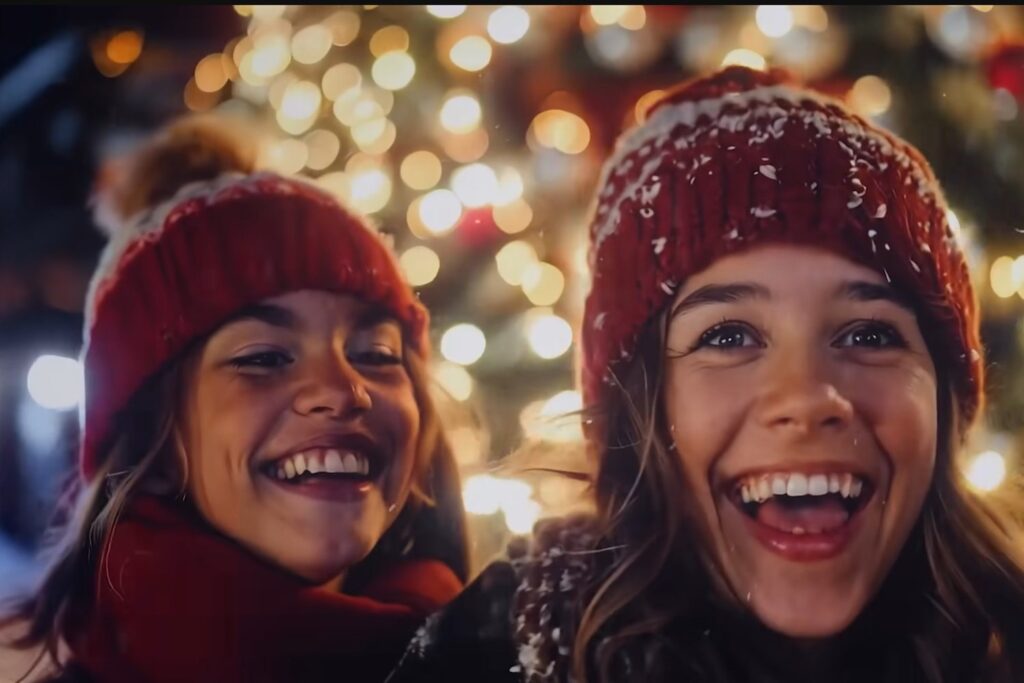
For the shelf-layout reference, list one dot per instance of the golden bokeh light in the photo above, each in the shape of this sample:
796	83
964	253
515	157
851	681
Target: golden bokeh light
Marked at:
420	170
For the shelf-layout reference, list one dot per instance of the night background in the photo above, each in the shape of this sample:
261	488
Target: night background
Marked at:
474	137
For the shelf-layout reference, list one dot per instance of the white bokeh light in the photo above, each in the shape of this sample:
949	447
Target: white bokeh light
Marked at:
56	382
481	494
987	471
463	344
774	21
508	24
549	335
484	494
440	211
521	514
475	185
446	11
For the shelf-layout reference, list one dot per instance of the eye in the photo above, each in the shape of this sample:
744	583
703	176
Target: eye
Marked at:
728	335
263	360
872	335
376	355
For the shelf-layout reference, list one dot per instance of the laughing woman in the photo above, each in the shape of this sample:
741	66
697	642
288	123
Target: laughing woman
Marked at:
780	360
266	493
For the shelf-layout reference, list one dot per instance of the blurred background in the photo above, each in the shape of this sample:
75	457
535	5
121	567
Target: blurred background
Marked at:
474	136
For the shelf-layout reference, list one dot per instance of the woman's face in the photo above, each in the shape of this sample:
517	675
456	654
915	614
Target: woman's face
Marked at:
300	430
801	399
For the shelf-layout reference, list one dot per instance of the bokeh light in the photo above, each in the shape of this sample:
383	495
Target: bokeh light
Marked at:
56	382
463	344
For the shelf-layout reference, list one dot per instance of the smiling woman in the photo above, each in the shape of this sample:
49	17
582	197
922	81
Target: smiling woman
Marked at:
803	408
265	493
780	361
292	452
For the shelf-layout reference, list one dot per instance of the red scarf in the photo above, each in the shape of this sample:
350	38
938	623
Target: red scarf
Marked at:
180	603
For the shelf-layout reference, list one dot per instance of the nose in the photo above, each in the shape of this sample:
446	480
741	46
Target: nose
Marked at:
798	398
333	389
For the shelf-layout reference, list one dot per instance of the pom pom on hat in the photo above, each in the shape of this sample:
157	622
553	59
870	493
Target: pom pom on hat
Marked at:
191	149
198	237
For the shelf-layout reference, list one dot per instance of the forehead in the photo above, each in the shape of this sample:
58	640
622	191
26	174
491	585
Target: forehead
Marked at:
321	303
785	269
313	309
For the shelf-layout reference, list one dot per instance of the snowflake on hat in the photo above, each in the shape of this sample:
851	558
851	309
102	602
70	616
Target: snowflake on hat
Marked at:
743	158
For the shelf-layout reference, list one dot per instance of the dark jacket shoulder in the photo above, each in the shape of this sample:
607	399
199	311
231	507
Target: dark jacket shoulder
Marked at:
516	621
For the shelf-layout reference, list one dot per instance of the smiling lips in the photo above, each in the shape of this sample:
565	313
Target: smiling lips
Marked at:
321	461
335	468
803	517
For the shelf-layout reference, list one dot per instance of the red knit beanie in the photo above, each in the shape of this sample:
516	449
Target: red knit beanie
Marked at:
743	158
174	272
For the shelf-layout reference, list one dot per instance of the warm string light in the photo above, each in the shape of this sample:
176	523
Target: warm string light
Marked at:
447	162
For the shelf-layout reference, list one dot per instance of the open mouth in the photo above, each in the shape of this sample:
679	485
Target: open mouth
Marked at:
802	504
323	465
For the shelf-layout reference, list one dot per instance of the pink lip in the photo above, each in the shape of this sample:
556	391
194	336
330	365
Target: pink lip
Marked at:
342	490
804	547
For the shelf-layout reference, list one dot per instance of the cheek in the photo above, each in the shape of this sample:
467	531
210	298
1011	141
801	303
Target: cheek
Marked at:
902	413
226	420
703	411
397	421
902	410
399	414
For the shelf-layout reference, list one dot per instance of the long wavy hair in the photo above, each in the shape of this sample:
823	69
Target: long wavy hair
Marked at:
145	456
951	609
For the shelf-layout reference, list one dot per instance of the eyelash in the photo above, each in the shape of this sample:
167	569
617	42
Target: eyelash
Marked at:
724	326
896	339
268	360
376	358
260	360
734	326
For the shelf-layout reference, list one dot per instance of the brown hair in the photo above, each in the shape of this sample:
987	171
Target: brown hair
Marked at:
950	609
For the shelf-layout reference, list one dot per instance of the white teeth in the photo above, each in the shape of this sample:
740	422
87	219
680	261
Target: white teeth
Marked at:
757	489
779	485
817	485
797	485
332	462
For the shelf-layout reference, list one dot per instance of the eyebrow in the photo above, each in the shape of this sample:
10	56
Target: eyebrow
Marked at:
855	290
871	291
278	316
376	316
720	294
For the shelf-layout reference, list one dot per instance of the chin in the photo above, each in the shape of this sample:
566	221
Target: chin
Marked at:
324	563
810	624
